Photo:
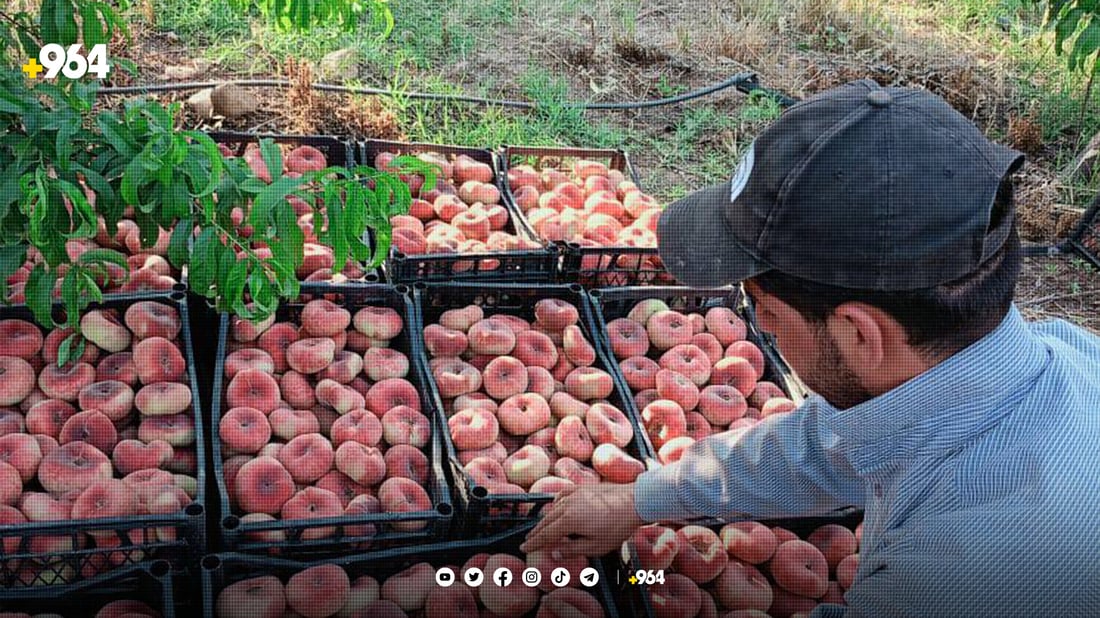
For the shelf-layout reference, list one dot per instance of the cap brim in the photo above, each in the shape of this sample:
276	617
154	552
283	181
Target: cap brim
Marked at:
697	245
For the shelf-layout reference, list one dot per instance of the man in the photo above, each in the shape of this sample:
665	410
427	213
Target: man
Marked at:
875	231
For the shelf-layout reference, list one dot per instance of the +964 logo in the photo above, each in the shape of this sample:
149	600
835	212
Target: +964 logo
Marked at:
70	62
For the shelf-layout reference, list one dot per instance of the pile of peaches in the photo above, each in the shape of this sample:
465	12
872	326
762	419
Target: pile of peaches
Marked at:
149	266
462	213
318	261
745	570
108	434
590	205
326	590
527	403
321	420
691	374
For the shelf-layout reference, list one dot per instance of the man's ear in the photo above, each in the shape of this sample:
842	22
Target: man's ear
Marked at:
862	335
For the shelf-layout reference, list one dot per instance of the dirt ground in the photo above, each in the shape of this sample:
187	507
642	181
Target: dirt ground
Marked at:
694	43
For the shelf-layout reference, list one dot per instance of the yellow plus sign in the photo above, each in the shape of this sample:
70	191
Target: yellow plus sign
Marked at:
633	580
32	68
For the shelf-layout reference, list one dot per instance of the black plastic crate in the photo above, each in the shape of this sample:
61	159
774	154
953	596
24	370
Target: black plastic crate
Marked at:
149	583
338	153
222	570
613	303
634	598
1086	238
436	522
523	265
481	512
124	540
589	266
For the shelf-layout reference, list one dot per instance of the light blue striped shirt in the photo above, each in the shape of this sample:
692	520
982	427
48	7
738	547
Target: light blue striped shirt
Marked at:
980	480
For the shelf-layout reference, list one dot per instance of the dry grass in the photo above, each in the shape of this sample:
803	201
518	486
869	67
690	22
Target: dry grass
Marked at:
368	117
301	100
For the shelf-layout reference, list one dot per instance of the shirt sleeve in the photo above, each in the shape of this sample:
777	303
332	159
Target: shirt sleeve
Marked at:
784	466
828	610
959	564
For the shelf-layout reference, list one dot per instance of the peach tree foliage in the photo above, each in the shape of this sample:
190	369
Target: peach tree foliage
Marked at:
53	141
304	14
1080	18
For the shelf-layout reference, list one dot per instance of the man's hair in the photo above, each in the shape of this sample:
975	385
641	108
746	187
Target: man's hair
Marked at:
940	320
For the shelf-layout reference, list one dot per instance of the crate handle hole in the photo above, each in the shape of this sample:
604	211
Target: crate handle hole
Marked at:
194	510
160	568
231	523
211	562
480	492
445	510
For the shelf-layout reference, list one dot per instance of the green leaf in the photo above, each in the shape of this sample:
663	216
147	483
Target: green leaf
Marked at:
103	256
48	14
11	258
116	134
95	32
208	147
273	157
1067	25
1087	43
1055	9
107	202
203	264
65	20
83	215
70	293
233	291
272	194
65	350
132	179
178	243
39	294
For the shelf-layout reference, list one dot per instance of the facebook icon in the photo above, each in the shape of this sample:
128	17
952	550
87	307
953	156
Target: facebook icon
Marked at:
502	577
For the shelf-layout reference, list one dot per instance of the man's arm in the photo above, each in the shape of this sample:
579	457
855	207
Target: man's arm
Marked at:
784	466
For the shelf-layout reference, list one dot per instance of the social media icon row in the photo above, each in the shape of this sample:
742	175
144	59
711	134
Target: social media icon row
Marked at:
502	577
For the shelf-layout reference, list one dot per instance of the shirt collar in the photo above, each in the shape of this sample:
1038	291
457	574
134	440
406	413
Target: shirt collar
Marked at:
954	401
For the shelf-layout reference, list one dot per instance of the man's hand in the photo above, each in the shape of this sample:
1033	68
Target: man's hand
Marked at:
586	520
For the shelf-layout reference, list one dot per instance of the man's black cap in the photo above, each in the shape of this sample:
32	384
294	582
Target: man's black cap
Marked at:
860	187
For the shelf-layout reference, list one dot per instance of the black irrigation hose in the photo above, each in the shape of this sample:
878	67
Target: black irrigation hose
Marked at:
746	82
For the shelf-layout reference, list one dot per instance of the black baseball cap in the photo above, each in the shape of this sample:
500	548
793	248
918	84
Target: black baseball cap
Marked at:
861	186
